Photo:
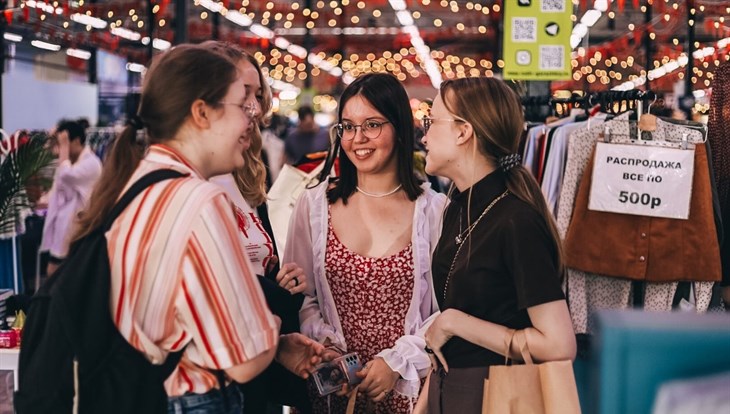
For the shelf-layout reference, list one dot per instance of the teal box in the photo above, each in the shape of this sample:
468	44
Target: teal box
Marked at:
634	352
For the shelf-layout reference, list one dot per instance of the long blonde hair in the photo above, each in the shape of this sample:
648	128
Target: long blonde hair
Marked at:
495	113
251	178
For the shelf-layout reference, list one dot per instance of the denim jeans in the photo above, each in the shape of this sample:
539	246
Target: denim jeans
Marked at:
212	402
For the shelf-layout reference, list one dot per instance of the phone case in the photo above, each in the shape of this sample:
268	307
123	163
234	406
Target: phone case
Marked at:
330	376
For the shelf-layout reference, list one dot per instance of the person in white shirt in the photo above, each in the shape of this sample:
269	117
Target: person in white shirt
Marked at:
77	172
365	239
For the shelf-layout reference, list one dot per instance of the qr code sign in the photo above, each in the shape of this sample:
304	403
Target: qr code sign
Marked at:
553	6
552	57
524	29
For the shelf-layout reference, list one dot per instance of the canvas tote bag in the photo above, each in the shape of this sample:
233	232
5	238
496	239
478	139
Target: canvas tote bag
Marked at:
546	388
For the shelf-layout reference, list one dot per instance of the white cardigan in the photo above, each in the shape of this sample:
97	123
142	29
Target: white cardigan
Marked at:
306	245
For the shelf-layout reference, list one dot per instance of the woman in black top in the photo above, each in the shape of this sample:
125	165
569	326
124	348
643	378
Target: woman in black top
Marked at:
497	266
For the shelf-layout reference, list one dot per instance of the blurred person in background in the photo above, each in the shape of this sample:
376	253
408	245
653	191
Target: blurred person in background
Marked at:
308	137
273	146
77	172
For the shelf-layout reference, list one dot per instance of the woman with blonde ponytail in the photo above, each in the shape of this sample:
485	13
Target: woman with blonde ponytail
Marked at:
497	266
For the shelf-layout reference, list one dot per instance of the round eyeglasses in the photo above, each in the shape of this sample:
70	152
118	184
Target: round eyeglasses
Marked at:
247	108
370	129
427	121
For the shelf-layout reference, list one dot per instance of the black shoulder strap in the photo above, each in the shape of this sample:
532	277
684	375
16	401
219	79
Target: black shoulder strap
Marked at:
136	188
167	367
263	212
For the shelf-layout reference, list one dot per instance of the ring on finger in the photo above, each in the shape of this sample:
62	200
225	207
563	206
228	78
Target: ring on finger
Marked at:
296	281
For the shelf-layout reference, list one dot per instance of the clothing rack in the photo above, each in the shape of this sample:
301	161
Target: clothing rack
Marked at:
591	98
100	139
613	102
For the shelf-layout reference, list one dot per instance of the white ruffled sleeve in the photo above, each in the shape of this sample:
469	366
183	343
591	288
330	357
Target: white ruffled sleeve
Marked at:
300	250
409	359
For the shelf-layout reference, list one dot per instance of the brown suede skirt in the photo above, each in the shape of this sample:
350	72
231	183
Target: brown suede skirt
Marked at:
459	391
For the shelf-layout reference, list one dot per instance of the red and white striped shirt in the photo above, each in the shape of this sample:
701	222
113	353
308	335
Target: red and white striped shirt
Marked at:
181	276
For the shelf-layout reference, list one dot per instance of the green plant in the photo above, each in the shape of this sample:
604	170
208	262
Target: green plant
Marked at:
21	161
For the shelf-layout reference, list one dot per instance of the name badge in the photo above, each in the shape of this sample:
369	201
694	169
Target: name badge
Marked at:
642	180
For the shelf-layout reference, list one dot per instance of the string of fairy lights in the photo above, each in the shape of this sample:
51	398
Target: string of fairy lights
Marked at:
285	66
599	66
585	69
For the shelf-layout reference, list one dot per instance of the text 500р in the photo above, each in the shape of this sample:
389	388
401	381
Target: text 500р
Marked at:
639	198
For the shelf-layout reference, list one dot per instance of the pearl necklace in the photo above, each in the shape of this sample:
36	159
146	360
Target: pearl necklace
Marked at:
393	191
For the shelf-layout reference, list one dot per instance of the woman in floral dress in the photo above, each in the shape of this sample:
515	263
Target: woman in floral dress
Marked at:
366	239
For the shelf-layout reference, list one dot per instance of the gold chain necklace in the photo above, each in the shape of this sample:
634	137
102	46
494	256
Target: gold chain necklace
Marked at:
465	235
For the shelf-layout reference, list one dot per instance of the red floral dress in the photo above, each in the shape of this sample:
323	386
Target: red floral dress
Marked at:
372	296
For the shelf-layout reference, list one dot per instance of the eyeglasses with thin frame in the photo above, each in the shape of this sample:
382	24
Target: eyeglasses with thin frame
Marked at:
427	121
248	108
370	129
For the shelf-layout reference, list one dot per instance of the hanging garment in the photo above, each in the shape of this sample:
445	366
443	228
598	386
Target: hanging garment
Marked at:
717	137
552	179
100	139
530	157
588	292
580	147
647	248
533	157
544	152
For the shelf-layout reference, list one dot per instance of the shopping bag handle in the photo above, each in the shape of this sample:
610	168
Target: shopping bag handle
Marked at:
508	345
524	349
351	401
369	407
525	352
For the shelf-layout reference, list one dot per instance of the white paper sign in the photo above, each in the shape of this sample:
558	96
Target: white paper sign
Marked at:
642	180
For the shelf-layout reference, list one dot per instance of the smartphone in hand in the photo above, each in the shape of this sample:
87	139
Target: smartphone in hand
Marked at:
330	376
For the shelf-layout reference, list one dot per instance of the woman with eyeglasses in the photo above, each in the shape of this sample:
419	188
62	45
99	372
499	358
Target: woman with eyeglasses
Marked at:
180	278
497	267
282	284
366	239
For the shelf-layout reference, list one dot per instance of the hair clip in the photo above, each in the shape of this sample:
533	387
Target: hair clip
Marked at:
509	162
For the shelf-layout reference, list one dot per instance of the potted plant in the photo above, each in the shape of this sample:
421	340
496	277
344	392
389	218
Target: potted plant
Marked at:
22	157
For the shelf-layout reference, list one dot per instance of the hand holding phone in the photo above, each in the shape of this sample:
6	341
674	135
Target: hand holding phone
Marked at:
378	379
330	376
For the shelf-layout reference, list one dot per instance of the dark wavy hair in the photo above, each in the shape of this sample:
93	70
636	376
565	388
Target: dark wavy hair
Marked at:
387	95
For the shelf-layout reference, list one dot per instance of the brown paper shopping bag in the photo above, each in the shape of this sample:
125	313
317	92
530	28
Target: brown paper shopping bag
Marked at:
546	388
